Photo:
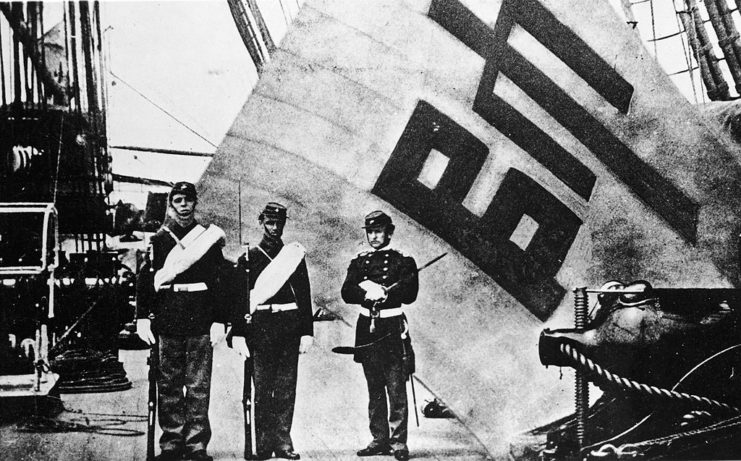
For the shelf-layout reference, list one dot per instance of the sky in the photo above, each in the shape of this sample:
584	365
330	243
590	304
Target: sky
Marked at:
179	75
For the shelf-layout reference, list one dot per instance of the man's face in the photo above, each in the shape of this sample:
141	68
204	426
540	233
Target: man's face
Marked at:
378	237
183	205
273	227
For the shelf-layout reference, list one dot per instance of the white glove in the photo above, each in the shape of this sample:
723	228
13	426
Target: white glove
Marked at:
373	291
306	343
218	332
144	330
240	345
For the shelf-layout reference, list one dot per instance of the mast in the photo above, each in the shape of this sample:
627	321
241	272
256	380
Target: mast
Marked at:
715	83
728	38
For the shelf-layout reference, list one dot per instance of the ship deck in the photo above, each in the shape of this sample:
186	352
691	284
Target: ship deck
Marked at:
330	421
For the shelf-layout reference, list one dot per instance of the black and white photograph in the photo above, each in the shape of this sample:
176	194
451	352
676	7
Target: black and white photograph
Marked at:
370	229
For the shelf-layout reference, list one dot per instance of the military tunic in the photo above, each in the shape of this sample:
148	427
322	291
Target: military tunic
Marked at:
273	338
182	322
384	365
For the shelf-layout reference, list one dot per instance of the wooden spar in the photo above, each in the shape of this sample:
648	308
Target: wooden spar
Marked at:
20	30
717	87
15	13
726	38
247	32
733	35
264	32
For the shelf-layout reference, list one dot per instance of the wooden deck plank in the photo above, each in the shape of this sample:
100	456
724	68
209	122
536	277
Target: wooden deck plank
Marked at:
330	422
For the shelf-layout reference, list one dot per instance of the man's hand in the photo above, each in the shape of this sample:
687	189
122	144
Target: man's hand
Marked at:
144	330
240	345
218	331
373	291
305	345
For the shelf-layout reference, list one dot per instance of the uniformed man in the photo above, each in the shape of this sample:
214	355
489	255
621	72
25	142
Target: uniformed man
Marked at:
281	327
380	281
179	294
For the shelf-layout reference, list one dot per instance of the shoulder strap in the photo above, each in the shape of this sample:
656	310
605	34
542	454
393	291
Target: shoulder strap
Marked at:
264	252
295	298
191	236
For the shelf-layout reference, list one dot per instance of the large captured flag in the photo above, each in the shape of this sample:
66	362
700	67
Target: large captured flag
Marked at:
536	141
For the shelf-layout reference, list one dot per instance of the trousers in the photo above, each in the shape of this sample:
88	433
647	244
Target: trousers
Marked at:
275	355
185	362
388	409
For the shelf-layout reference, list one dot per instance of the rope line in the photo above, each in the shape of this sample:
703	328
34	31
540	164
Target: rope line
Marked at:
165	111
580	361
634	449
98	423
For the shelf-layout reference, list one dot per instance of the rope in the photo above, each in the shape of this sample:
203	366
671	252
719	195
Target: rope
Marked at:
686	52
161	108
632	450
98	423
580	361
653	30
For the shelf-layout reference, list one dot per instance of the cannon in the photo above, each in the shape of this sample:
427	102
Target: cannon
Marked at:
668	364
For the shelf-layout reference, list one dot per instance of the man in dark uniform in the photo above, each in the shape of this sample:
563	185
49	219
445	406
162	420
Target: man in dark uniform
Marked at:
381	280
281	327
176	296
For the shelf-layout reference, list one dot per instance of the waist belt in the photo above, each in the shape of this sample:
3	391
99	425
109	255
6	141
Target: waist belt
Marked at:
277	307
200	286
383	313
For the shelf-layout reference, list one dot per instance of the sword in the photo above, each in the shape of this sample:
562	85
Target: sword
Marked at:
374	313
405	359
429	263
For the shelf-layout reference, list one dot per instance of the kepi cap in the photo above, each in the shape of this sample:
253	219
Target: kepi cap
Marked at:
377	219
183	188
274	210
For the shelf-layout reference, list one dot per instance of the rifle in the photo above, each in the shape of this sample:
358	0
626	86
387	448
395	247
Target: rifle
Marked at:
374	312
247	407
248	363
154	363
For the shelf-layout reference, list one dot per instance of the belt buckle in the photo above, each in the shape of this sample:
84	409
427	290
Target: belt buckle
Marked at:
272	311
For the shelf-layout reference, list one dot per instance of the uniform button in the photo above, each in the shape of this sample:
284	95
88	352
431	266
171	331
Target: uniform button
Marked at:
385	268
367	262
365	277
385	276
386	261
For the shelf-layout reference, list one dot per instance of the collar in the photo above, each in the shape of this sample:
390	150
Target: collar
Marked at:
179	230
384	248
270	245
